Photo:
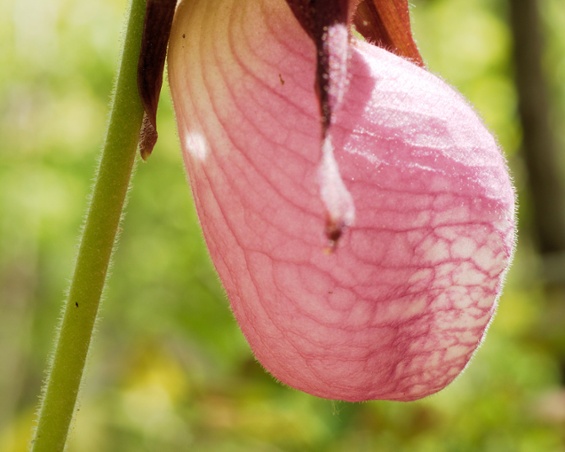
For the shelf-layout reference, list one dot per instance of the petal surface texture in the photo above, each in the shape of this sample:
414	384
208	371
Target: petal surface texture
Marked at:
397	309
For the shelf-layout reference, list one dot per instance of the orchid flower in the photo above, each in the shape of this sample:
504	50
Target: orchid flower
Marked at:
358	212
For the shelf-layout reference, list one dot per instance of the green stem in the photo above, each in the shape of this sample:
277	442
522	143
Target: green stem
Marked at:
108	199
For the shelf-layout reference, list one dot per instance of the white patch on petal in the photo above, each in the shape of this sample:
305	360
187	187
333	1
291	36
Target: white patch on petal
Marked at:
337	39
334	193
196	145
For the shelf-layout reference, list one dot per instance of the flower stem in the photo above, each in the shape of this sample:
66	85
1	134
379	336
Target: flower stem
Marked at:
102	222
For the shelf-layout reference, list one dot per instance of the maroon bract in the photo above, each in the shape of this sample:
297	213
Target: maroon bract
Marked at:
393	306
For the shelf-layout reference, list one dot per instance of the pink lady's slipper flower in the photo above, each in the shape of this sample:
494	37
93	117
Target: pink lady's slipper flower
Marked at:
358	212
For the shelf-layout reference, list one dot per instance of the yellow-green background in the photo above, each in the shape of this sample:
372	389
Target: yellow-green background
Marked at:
169	369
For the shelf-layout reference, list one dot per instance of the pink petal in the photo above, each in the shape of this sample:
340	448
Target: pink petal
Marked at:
399	307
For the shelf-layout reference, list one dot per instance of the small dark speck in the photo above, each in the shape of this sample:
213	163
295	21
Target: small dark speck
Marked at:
334	231
76	304
281	79
183	35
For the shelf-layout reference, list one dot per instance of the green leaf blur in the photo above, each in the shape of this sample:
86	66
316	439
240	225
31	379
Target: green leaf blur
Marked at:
169	369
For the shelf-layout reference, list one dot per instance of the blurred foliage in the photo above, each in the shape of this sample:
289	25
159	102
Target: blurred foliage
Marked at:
169	368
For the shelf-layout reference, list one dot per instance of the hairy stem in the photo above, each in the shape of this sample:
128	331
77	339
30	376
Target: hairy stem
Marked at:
108	198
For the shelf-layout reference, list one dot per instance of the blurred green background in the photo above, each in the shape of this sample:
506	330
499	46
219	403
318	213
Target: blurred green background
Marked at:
169	369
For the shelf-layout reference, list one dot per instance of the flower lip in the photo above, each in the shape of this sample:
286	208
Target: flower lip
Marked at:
400	307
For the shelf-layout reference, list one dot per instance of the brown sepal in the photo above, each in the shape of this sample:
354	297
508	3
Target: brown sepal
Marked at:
315	17
156	31
386	23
